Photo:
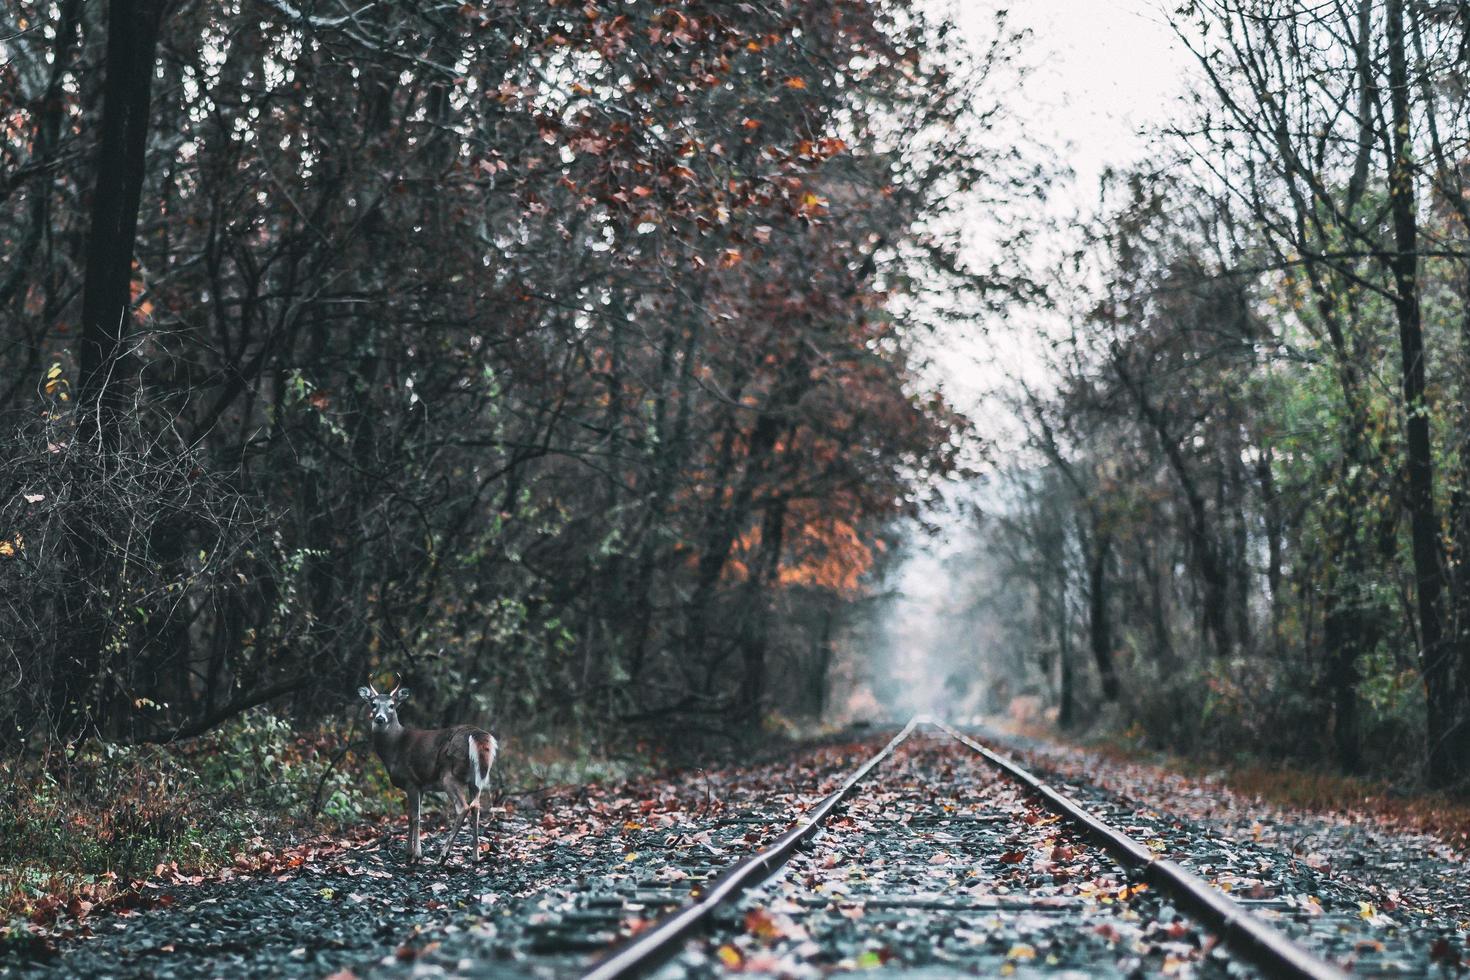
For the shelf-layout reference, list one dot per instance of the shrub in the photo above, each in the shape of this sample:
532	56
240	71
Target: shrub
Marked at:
95	818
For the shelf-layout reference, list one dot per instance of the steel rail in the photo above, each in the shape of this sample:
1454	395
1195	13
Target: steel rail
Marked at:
1268	948
651	947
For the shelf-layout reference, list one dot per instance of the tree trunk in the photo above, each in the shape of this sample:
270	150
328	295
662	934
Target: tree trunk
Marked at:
1454	190
755	623
132	39
1347	630
1067	695
823	654
1458	635
1448	755
1271	514
1100	626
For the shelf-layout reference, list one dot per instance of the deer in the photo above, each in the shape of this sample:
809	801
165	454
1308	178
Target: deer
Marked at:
455	761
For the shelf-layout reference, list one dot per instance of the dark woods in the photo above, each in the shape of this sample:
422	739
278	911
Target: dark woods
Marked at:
553	354
1251	519
566	358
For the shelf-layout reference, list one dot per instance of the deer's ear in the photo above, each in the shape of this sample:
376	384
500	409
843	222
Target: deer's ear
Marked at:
366	693
400	695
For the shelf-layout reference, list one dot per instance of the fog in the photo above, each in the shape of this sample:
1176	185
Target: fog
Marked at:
941	637
936	640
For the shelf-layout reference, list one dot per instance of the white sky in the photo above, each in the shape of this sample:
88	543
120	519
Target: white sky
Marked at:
1106	68
1104	73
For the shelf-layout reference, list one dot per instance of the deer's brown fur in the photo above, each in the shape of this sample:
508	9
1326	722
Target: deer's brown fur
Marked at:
455	761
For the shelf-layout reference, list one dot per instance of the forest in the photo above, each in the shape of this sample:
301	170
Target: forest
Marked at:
1244	521
558	359
582	365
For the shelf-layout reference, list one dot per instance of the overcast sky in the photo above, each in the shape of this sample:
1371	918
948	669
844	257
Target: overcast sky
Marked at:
1106	69
1105	72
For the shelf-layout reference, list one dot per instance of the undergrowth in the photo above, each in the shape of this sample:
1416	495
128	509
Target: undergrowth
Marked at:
79	826
82	828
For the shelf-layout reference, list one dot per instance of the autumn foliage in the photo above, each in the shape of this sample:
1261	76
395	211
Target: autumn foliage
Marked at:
560	357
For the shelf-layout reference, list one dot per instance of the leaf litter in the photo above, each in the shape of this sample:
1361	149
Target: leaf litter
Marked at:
986	879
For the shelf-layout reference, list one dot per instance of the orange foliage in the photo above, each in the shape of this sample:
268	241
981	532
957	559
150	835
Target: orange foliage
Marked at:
830	555
820	551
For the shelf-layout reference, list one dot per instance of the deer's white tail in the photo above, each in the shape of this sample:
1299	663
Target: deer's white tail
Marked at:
482	750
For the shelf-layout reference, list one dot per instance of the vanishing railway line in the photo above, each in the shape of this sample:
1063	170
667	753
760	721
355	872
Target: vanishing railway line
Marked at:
939	856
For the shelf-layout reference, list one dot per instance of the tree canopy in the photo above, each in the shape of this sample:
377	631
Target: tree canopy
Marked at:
558	356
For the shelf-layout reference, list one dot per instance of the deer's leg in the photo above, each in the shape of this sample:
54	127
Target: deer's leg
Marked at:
415	812
476	842
461	807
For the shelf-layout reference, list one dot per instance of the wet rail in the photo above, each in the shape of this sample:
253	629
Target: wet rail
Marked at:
969	822
651	947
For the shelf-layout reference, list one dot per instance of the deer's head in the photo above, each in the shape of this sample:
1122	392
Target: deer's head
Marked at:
384	706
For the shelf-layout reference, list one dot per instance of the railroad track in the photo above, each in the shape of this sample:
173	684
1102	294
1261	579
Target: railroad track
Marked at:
936	858
922	859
